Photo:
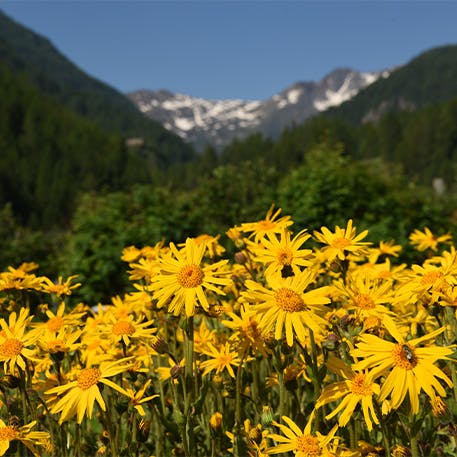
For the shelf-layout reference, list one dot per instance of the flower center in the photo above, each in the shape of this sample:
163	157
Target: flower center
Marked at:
360	385
284	256
88	378
54	324
8	433
364	301
123	328
340	243
265	225
190	276
431	277
308	445
11	348
289	301
404	356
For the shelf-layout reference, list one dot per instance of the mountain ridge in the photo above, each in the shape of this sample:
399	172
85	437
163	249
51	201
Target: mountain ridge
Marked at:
204	122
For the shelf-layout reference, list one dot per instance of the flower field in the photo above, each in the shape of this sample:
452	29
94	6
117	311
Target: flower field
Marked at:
306	344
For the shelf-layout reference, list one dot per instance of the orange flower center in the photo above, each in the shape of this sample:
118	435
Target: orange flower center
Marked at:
431	277
364	301
11	348
123	328
190	276
265	225
8	433
404	356
309	445
360	385
54	324
289	301
88	378
340	243
284	256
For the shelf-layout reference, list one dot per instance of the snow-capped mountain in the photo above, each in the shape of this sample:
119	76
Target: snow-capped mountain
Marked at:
217	122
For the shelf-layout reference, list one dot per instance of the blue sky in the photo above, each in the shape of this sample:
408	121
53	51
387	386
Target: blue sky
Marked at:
234	49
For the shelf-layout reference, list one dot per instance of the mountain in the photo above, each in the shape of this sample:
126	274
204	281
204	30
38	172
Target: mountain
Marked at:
25	52
428	78
217	122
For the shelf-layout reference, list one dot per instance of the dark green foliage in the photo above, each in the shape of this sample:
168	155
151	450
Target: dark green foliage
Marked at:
50	155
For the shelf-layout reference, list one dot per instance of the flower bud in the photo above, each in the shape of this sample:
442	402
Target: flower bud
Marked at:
215	421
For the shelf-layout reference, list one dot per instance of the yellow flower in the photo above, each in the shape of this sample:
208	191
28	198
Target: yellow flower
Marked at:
303	443
427	240
60	287
24	435
215	420
183	279
126	329
271	224
342	242
20	278
222	358
283	255
408	368
203	335
364	295
137	398
358	387
80	395
59	320
15	342
247	330
60	342
287	305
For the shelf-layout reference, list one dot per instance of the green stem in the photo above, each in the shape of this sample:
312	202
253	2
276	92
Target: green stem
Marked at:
189	390
237	444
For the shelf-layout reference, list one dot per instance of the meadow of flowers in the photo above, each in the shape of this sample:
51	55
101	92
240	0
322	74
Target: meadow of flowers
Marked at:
306	344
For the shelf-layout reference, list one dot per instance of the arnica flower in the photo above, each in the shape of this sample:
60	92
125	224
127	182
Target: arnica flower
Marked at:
342	242
427	240
183	279
126	329
221	358
365	295
80	395
20	278
15	342
408	368
303	443
60	287
24	434
60	320
137	399
287	306
247	333
357	388
425	282
271	224
283	256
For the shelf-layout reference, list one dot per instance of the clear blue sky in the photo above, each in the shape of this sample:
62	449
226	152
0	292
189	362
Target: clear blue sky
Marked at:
234	49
